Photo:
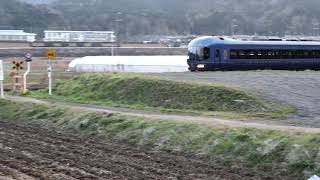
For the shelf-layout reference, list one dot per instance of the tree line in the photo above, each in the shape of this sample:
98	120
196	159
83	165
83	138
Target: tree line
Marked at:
130	19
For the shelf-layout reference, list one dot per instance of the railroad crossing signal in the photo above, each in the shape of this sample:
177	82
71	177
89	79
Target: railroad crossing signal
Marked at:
51	54
17	65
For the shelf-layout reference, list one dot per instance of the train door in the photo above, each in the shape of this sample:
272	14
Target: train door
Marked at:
217	56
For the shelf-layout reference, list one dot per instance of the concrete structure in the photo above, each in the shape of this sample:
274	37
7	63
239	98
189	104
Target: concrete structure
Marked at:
16	35
79	36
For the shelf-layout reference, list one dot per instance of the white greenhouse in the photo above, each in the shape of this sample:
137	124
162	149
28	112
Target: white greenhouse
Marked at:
139	64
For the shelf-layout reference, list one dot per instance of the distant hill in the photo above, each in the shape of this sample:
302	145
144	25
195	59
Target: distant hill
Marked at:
265	17
133	18
18	15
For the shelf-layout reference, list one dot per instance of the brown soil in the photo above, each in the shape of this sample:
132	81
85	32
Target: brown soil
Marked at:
34	152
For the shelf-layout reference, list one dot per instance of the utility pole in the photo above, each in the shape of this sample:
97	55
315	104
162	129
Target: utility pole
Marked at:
112	44
315	27
117	22
233	27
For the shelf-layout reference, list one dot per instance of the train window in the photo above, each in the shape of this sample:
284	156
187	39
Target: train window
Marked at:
206	53
285	54
293	54
247	54
234	54
200	53
274	54
259	54
300	54
312	54
242	54
263	54
225	54
290	55
304	54
192	52
252	55
317	53
277	54
270	55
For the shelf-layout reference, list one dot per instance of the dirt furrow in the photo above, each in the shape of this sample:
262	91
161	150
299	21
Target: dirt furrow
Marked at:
119	158
7	173
39	153
67	156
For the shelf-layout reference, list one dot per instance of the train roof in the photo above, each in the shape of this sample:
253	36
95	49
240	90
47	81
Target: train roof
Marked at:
207	41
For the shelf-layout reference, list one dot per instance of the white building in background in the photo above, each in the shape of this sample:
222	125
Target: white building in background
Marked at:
79	36
17	35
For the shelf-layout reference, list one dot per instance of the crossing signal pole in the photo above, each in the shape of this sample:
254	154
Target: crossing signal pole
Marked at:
17	66
28	59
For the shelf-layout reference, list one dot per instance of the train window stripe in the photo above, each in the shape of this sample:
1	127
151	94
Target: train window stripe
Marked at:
273	54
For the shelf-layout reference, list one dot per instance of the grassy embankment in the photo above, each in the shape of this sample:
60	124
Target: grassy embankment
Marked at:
265	152
139	92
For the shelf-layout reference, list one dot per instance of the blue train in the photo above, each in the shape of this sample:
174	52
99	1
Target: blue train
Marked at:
220	53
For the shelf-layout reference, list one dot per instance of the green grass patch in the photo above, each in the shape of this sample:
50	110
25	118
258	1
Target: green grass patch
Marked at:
278	154
140	92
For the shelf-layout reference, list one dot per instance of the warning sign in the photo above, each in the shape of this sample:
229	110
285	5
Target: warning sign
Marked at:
28	57
51	54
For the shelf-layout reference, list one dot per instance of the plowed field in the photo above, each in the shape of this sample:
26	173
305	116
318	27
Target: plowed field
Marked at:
32	152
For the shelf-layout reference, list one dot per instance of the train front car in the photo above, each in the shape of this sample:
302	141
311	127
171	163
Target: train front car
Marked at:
218	53
209	53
